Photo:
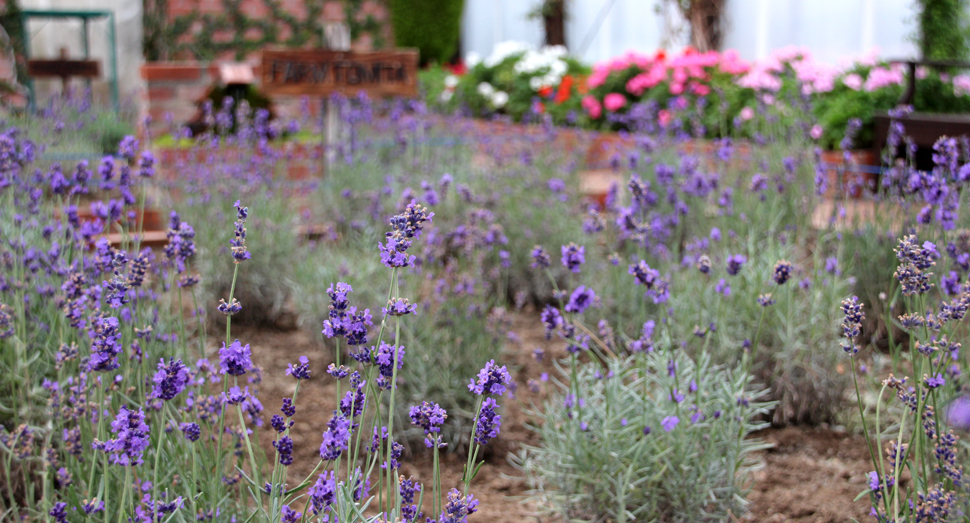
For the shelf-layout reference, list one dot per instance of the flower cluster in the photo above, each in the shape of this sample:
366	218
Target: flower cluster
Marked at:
239	251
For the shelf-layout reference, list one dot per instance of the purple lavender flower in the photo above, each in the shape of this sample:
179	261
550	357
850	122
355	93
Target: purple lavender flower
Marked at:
540	258
644	275
430	417
59	512
236	396
958	413
552	319
704	264
670	423
335	438
398	307
288	408
301	371
288	515
229	309
170	380
489	422
573	256
492	379
934	381
239	251
235	359
734	263
383	356
580	300
765	300
782	272
191	431
404	228
132	438
323	492
92	506
284	447
105	345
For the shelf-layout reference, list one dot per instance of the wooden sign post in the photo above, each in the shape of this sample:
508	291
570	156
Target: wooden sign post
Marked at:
321	73
324	72
64	69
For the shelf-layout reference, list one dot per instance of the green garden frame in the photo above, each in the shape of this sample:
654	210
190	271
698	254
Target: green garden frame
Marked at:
85	16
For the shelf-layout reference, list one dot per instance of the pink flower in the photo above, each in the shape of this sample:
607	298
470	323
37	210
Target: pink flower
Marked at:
664	117
852	81
592	106
816	132
747	113
961	85
614	102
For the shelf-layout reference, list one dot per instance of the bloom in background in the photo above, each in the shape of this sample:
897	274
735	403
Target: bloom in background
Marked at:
614	102
301	371
235	359
765	300
580	300
958	413
489	422
239	251
851	323
540	258
734	263
573	256
132	438
430	417
170	379
592	106
670	423
492	379
782	272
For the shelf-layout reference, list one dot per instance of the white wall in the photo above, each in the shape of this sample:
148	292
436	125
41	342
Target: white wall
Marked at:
49	35
832	29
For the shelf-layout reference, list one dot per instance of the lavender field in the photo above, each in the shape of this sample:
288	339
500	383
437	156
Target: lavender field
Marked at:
455	319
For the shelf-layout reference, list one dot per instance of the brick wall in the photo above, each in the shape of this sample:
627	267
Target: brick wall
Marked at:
177	88
333	11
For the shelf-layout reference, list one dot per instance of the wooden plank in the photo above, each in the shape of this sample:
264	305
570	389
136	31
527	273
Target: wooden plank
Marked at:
63	68
323	72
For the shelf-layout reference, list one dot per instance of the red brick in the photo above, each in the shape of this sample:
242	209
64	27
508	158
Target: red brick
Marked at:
158	94
161	71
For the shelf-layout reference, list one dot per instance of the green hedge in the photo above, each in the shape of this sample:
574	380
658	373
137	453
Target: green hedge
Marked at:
430	25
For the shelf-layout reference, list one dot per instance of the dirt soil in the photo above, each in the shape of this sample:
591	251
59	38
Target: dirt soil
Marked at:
811	474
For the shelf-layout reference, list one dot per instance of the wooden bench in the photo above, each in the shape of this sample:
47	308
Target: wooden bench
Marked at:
924	129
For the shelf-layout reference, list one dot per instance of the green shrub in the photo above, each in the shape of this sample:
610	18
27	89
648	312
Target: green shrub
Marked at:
430	25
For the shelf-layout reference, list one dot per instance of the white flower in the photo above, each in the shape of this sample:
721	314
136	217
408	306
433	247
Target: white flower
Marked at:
485	89
536	83
446	95
504	50
499	99
451	81
472	59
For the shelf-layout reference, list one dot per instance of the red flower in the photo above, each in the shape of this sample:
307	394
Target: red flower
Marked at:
565	89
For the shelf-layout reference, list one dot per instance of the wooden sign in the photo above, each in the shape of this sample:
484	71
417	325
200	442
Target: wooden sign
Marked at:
322	72
63	68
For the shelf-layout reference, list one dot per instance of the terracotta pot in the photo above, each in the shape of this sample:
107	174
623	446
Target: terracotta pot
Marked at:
854	178
606	146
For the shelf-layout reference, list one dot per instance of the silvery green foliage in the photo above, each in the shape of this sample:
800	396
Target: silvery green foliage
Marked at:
598	461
